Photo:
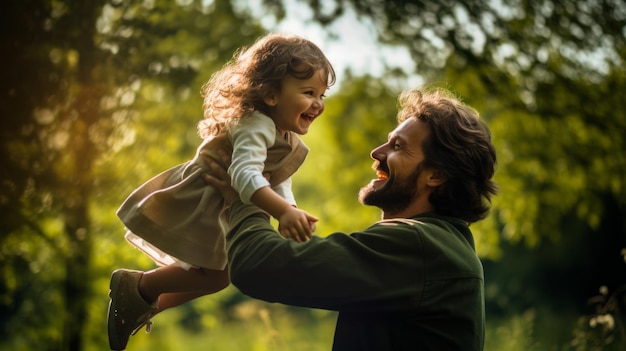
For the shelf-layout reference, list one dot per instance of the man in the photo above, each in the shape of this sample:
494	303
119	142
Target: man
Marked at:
409	282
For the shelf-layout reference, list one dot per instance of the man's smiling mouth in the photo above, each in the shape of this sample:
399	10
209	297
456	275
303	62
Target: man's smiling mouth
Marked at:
382	175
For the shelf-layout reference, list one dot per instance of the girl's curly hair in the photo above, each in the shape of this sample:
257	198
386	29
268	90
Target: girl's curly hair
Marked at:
255	73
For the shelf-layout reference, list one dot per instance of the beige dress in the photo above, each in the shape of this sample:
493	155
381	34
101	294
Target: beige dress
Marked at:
177	218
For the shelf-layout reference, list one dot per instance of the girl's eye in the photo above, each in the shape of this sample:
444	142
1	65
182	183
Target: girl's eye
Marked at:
312	93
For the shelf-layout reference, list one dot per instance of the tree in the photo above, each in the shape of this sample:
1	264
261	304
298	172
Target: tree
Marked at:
47	156
517	54
92	94
73	78
548	77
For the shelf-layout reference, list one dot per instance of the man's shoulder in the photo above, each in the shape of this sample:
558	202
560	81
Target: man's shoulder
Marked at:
399	221
400	225
424	224
422	220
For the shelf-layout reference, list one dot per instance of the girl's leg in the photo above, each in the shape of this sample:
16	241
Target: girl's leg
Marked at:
173	286
133	294
169	300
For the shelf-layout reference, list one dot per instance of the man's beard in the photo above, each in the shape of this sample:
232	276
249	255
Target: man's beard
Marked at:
395	196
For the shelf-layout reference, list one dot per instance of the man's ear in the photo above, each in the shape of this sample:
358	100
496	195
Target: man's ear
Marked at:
435	178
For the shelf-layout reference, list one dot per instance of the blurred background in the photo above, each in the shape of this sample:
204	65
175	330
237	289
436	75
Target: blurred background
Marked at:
98	96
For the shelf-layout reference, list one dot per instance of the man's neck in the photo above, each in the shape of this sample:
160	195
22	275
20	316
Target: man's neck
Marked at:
411	211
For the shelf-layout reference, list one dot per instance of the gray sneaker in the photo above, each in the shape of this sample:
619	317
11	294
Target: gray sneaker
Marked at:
128	311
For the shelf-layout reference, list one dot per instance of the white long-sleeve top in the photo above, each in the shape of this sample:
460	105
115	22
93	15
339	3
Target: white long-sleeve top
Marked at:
251	138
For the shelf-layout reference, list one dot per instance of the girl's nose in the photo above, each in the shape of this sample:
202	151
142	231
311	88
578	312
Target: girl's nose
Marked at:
318	105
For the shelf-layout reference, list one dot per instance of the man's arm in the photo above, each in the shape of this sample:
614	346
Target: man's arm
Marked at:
376	269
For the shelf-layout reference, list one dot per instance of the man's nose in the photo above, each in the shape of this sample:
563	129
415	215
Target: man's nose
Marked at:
378	153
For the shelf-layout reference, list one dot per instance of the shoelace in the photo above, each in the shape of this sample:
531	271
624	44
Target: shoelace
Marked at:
147	323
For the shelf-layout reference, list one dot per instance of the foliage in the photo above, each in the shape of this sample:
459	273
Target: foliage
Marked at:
530	67
249	325
518	37
82	82
605	325
548	77
47	155
98	96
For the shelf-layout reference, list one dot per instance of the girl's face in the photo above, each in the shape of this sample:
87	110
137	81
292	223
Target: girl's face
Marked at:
298	104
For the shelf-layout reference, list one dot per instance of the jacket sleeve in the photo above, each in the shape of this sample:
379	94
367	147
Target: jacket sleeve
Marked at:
338	272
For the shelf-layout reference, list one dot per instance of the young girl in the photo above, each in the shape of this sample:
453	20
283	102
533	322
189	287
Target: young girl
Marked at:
254	107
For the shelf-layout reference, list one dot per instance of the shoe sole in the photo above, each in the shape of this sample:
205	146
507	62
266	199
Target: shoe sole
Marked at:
114	341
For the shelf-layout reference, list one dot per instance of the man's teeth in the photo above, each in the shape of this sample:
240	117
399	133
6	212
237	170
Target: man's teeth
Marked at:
382	175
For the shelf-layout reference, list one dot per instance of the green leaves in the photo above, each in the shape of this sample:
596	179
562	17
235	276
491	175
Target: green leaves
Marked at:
96	97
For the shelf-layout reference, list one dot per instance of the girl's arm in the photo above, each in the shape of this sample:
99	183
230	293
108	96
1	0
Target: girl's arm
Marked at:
292	222
251	138
284	190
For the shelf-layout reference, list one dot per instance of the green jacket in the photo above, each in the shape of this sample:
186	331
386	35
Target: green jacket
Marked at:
404	284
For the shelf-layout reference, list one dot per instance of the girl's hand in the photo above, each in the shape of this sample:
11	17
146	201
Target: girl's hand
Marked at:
296	224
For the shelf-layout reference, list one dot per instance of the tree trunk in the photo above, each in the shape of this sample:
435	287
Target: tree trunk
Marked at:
81	153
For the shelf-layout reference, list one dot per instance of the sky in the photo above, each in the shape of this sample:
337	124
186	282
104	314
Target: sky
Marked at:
355	46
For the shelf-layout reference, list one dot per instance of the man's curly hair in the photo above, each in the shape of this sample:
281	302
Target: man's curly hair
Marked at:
459	145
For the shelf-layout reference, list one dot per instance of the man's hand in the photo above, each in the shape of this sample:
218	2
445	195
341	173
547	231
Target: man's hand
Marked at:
220	178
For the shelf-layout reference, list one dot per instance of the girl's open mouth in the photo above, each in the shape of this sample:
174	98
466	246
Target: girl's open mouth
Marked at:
307	117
